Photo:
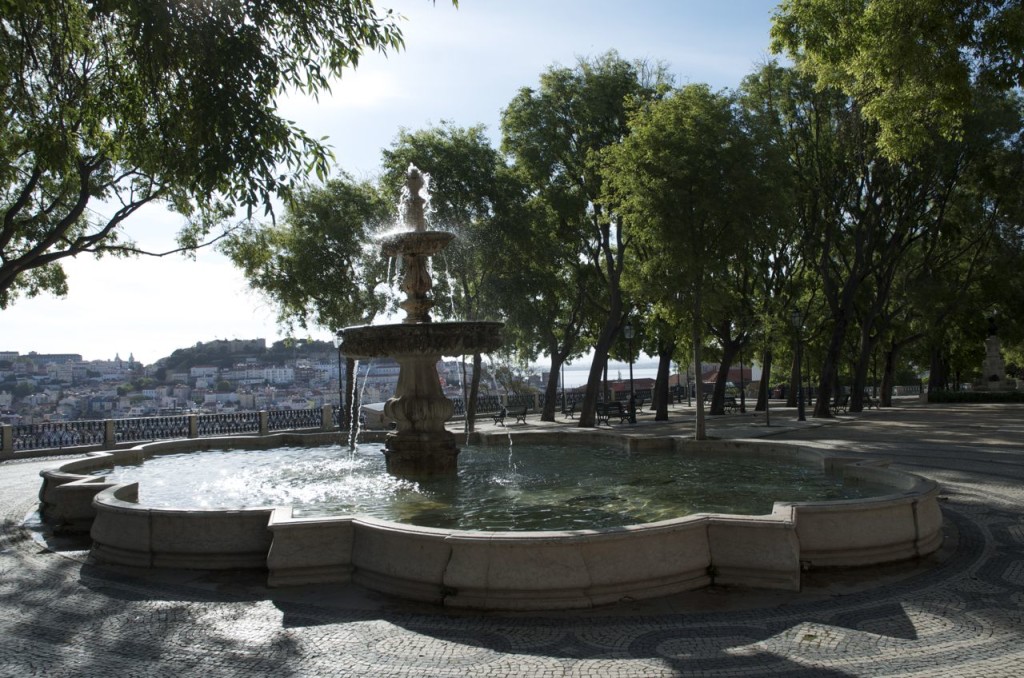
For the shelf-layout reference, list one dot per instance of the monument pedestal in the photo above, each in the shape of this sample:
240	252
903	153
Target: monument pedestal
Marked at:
993	369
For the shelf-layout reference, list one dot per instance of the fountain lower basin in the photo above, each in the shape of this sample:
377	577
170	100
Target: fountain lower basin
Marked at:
521	488
508	570
431	339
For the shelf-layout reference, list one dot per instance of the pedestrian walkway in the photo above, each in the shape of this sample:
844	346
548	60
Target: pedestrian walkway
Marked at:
958	613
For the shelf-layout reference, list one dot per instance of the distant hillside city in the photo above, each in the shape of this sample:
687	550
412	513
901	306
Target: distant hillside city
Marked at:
215	376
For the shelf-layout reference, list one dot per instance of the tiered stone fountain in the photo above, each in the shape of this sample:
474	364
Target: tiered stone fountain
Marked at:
421	446
496	570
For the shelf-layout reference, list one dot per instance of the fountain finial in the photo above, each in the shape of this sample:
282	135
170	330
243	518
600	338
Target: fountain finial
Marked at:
414	202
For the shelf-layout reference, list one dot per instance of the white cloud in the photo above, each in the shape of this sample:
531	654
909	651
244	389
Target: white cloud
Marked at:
362	90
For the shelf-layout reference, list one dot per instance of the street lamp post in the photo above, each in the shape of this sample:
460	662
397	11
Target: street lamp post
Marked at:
767	392
628	332
341	385
563	386
743	399
797	320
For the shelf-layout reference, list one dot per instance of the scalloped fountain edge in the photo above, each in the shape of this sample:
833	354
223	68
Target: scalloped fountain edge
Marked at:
505	570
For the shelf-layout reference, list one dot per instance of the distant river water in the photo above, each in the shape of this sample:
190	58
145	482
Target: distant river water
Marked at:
578	376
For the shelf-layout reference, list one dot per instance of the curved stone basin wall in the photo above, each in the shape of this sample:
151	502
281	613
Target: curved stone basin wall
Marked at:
507	570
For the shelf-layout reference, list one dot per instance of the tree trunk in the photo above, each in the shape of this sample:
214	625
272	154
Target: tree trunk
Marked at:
888	377
588	410
830	366
699	432
794	379
835	392
660	395
551	389
765	387
938	375
729	352
860	369
613	251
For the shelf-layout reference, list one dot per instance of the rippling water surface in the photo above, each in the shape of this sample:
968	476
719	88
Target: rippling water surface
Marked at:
525	487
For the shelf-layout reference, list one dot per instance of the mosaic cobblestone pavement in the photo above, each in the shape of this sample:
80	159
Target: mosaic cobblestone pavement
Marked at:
958	613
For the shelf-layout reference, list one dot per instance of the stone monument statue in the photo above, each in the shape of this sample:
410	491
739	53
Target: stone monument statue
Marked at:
993	370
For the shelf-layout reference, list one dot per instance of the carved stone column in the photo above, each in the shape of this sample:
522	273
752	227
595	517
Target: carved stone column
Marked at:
420	446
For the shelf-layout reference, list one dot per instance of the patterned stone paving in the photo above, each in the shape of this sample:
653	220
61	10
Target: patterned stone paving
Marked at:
957	614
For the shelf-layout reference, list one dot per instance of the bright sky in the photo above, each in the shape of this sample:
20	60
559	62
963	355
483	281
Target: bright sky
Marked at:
461	65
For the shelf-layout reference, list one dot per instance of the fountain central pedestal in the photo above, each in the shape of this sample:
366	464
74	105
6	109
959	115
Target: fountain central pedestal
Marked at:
421	445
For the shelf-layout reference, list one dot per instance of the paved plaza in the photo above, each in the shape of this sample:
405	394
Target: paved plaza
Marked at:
956	613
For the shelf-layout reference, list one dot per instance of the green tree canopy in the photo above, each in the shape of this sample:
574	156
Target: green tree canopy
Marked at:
555	135
318	265
683	181
913	65
108	106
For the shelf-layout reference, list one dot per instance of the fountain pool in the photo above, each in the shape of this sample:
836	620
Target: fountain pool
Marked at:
508	569
518	488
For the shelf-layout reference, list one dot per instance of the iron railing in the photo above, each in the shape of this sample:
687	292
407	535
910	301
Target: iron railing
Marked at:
109	433
286	420
230	423
148	428
56	435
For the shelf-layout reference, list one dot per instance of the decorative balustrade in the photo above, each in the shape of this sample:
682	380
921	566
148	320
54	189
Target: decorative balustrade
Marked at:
484	405
111	433
284	420
517	402
55	435
148	428
231	423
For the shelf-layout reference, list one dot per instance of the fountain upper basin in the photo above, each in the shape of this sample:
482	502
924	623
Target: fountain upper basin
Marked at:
415	243
447	338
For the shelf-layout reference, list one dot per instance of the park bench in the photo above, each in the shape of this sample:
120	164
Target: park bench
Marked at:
841	405
499	417
870	402
605	411
569	412
730	404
